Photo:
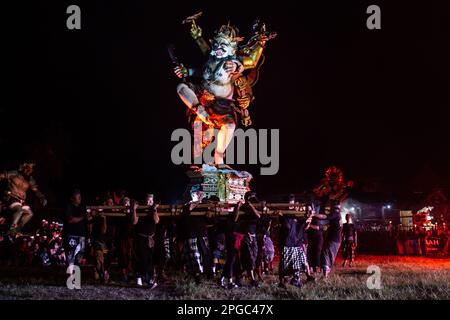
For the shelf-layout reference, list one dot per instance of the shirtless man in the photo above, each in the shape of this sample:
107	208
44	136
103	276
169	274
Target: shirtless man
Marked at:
19	182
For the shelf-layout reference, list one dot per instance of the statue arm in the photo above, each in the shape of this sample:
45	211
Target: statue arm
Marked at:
203	45
322	189
196	34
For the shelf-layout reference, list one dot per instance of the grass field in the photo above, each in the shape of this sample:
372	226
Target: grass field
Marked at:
401	278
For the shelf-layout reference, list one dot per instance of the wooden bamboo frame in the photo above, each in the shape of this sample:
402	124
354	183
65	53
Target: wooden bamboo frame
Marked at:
209	209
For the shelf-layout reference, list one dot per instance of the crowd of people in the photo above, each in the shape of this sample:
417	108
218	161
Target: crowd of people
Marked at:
389	238
42	248
148	247
243	245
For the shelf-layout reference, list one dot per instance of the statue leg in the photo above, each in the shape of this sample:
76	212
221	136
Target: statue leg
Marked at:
187	95
202	137
26	216
224	137
17	212
198	133
190	99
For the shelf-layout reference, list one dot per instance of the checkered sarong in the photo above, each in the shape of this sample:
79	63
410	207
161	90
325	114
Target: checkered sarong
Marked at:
191	255
167	248
268	249
74	248
293	259
249	252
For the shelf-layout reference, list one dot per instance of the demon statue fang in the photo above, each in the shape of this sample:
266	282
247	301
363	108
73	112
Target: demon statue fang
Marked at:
222	89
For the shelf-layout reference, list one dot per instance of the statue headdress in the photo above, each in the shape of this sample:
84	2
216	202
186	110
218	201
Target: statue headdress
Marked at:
229	33
334	171
26	164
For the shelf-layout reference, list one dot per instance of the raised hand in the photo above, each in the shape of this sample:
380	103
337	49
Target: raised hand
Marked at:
196	31
181	71
230	66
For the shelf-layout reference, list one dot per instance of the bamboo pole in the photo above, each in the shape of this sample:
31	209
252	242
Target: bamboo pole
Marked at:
209	209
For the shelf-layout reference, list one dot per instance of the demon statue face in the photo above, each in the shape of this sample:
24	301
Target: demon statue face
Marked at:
225	42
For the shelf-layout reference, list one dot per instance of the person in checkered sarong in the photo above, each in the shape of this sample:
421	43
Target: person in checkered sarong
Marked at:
266	250
196	255
247	220
292	253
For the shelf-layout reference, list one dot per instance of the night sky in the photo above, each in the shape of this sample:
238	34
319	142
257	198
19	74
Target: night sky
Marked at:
95	108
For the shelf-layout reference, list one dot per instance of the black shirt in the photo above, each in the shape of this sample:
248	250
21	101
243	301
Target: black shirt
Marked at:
75	229
192	226
123	227
247	220
291	232
349	231
227	226
146	224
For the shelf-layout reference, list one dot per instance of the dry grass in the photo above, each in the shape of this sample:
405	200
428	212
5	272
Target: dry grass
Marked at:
401	277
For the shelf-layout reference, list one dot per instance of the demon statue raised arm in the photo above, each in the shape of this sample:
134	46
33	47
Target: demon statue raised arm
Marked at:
224	88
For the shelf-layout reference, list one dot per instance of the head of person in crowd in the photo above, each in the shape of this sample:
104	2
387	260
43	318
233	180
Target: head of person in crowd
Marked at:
149	199
44	223
54	226
75	197
250	196
26	168
291	198
119	197
349	218
214	199
108	200
196	196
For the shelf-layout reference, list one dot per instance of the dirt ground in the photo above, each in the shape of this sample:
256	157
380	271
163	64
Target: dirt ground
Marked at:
401	278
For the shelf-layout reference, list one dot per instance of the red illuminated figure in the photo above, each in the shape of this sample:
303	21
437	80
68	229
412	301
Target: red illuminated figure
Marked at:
330	193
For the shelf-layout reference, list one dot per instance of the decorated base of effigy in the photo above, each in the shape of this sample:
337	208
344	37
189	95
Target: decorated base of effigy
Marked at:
224	183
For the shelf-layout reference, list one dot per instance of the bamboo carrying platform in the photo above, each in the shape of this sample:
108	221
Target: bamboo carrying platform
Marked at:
204	209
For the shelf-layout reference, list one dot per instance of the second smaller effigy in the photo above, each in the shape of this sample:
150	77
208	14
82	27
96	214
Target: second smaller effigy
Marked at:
225	183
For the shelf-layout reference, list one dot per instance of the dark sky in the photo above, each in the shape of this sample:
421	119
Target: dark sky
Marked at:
96	107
